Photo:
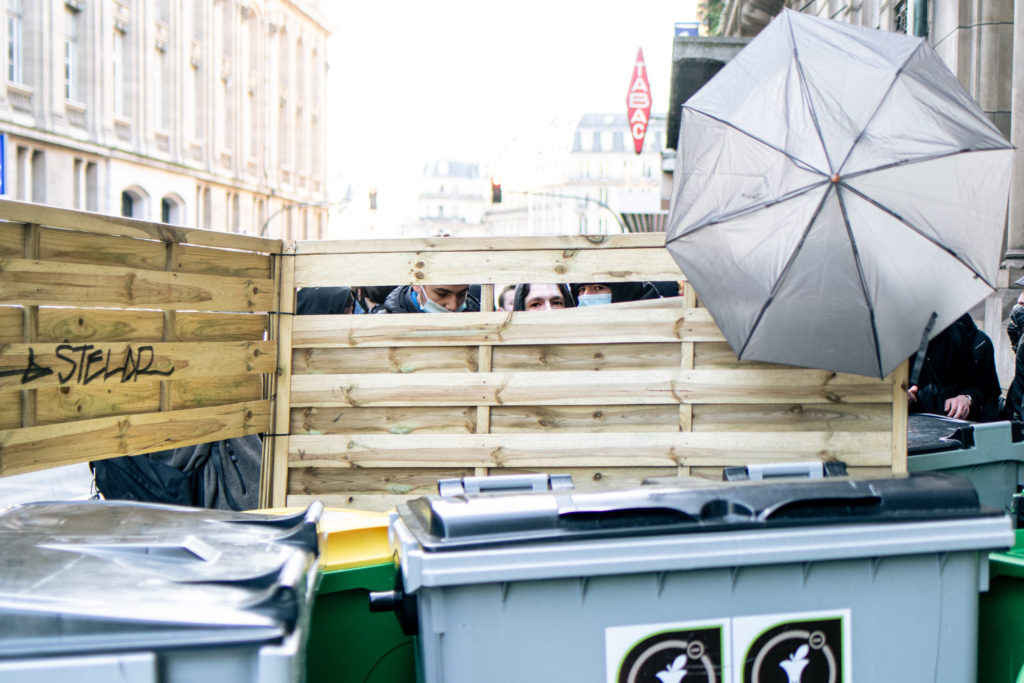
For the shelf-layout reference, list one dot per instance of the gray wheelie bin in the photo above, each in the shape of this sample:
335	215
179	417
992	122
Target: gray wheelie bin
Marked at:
830	580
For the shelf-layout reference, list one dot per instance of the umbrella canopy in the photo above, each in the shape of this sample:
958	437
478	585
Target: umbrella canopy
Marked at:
835	186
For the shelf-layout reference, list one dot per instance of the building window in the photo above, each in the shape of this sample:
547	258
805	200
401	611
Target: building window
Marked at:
78	179
38	177
92	185
70	53
161	90
14	44
899	16
198	94
127	204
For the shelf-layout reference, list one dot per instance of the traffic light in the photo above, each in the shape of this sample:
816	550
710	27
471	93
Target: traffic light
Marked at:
373	200
495	191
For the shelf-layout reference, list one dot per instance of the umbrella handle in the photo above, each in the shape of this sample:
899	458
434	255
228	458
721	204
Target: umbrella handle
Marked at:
915	374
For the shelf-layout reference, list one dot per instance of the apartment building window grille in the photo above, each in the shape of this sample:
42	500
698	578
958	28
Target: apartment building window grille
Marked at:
15	46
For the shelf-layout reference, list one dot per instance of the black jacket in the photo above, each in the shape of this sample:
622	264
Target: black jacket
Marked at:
400	301
949	370
322	300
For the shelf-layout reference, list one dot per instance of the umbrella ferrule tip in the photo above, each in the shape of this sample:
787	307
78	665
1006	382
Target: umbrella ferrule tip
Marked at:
834	177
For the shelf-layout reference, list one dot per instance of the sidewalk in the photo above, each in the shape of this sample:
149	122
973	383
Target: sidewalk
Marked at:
73	482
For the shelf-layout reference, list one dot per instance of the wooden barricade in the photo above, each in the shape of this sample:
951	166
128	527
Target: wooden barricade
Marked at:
381	406
119	336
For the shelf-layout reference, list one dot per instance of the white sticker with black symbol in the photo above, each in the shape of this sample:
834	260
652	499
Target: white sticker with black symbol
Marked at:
808	647
677	652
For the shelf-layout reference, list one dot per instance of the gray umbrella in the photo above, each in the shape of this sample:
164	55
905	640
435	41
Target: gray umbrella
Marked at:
836	190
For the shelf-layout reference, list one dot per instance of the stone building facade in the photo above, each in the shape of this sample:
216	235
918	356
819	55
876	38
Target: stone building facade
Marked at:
205	113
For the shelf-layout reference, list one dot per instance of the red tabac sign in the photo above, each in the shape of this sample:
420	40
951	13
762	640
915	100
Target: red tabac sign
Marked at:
638	101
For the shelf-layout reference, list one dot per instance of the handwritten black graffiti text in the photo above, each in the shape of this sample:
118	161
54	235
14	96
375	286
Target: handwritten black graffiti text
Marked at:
85	363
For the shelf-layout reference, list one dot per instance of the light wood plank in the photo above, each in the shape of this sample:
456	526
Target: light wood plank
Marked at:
371	481
37	448
900	407
202	393
569	326
548	357
346	500
648	240
586	388
47	283
602	418
78	325
40	365
416	419
192	259
221	326
12	240
401	360
275	472
65	404
72	246
483	267
861	417
25	212
10	410
588	450
12	321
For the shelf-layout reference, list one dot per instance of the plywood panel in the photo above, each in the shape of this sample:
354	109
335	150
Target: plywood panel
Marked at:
410	420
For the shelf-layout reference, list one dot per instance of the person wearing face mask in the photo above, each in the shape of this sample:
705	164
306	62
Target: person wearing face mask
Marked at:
542	297
599	293
429	299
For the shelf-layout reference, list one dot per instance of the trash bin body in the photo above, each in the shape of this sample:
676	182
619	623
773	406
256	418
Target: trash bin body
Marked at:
583	587
1000	631
116	591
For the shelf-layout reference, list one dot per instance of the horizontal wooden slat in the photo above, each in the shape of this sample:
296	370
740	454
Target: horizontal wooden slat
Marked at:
72	246
213	392
12	240
381	359
482	267
66	404
865	417
39	365
221	326
719	355
603	418
587	388
590	325
373	481
12	324
546	357
75	325
24	212
10	411
48	283
36	448
416	419
652	449
648	240
193	259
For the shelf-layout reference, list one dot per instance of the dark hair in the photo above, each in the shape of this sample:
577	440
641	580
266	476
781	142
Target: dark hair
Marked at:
374	294
623	291
523	291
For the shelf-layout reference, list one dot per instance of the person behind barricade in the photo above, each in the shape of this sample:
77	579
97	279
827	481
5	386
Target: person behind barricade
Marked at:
598	293
369	298
542	297
506	299
1013	405
324	301
429	299
948	382
983	352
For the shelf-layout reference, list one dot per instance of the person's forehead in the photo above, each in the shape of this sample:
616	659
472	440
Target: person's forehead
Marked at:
455	289
543	292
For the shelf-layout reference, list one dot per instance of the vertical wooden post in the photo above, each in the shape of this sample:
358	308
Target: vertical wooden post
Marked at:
276	465
900	378
484	364
31	327
686	356
171	266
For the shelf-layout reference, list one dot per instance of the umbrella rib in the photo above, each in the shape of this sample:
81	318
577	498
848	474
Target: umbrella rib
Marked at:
807	94
799	162
907	223
922	160
785	271
863	282
749	209
878	107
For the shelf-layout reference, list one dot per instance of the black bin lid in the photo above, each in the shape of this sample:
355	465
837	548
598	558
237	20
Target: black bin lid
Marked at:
687	505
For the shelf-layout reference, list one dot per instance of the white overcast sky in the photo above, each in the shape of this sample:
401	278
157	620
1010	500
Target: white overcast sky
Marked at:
412	81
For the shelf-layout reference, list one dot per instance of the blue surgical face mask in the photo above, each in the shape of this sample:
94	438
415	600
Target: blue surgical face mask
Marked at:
594	299
429	306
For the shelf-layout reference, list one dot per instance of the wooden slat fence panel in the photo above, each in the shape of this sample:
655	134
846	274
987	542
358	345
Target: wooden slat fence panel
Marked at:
382	406
120	336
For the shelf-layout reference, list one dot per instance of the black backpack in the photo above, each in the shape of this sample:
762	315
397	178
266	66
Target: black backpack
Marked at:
140	478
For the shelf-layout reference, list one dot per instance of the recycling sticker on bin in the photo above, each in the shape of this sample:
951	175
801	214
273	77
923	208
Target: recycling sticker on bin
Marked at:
805	647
